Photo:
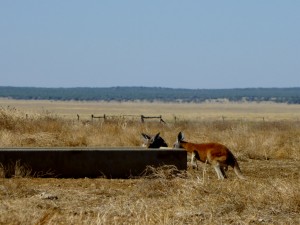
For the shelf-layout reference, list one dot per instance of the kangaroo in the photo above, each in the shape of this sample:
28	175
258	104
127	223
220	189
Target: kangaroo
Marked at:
155	141
218	155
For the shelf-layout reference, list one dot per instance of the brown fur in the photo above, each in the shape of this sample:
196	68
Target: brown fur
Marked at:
218	155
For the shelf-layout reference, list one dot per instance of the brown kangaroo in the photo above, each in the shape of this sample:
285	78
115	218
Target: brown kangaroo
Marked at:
218	155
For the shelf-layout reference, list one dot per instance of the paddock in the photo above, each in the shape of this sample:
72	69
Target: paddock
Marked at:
89	162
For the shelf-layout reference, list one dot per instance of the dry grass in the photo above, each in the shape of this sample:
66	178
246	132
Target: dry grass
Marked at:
268	153
268	197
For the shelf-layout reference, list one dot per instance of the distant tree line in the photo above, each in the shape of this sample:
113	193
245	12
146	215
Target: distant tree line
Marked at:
286	95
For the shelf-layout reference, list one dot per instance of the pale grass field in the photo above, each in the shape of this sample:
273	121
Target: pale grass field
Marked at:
267	150
190	111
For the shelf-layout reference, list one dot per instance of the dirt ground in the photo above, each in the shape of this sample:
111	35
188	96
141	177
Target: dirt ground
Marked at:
270	195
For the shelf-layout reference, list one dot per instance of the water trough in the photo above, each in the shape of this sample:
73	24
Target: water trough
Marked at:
91	162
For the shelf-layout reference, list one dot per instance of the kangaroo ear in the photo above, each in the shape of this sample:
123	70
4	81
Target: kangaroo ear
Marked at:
157	135
147	137
154	138
180	136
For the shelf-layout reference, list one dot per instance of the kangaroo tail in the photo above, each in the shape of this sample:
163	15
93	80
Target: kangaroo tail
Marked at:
238	171
236	167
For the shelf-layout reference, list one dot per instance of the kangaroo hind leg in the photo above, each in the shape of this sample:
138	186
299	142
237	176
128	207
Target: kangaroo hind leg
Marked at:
220	172
223	169
193	160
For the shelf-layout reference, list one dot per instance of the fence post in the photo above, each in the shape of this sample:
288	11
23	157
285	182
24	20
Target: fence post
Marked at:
161	120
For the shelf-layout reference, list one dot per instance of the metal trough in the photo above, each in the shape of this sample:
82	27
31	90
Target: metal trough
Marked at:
91	162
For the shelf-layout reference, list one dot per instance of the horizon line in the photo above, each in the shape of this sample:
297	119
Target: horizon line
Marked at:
74	87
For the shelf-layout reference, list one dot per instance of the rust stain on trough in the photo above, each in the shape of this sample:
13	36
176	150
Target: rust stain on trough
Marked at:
92	162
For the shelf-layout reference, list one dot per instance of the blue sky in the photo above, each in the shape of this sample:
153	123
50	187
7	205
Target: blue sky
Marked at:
177	44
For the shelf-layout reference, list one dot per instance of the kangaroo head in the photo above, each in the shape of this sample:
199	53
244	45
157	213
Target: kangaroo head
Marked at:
179	139
153	141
